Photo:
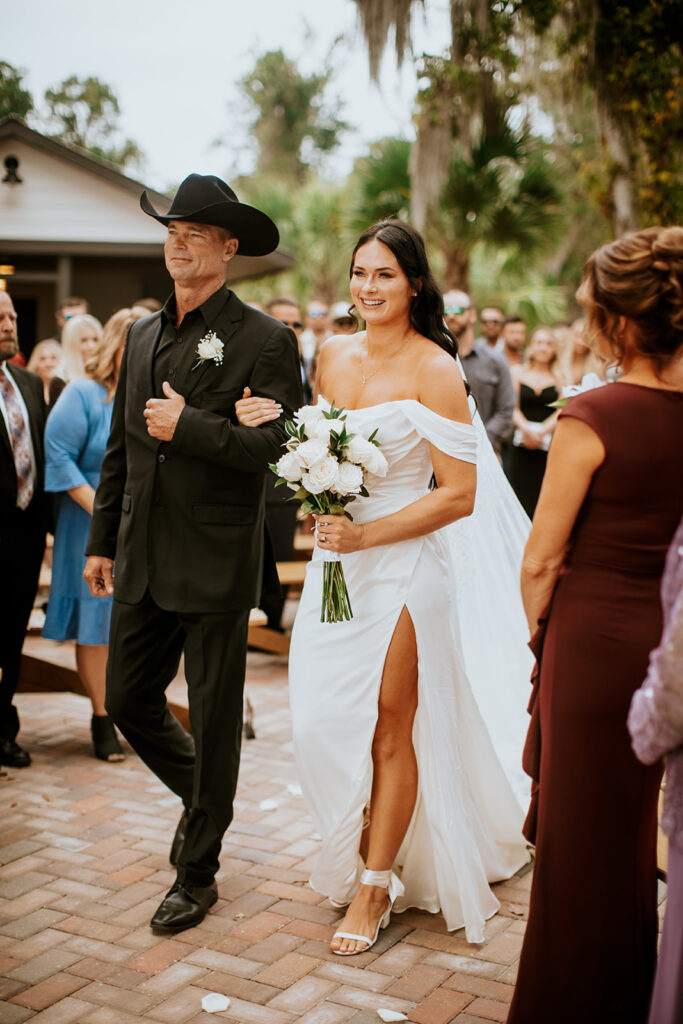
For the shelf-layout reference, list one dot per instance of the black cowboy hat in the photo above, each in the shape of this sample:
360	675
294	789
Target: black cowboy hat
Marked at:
206	199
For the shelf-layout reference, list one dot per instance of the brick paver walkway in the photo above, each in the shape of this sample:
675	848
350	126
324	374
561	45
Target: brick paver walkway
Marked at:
84	864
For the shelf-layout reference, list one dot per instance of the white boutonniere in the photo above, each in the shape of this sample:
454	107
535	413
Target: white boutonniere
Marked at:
209	347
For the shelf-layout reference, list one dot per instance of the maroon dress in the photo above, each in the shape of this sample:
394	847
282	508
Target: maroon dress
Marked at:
590	944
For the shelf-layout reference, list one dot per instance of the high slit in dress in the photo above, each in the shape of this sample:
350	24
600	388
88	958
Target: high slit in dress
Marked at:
466	828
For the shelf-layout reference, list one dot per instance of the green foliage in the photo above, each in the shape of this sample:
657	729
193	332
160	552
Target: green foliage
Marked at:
292	124
380	183
630	54
85	113
14	99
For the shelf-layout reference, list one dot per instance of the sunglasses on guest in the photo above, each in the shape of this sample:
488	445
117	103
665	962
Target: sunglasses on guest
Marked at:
294	324
456	310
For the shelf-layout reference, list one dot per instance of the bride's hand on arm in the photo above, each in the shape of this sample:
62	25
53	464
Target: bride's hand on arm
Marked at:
575	455
252	412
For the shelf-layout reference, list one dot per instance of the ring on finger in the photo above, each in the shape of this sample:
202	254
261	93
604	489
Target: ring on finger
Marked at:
322	537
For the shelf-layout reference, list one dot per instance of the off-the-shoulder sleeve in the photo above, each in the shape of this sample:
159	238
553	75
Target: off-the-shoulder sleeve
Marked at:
66	434
459	440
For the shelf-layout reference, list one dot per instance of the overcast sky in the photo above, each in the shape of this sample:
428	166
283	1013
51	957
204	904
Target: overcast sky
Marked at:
174	65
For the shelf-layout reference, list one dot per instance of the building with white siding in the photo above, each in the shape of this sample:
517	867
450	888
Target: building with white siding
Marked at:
71	224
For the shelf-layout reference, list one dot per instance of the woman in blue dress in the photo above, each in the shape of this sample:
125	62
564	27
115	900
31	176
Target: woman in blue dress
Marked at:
75	440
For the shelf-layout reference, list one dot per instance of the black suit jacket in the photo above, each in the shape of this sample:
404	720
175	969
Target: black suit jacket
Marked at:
185	518
31	388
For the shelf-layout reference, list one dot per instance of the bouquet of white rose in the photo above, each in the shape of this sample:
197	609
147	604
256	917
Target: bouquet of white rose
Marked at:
326	467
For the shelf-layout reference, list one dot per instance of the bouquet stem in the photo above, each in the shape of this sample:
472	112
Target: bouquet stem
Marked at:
336	606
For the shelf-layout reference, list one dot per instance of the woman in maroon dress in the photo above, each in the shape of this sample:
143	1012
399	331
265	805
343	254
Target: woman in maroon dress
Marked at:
610	503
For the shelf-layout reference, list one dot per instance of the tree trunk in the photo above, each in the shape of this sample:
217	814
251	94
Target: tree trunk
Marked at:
456	273
615	130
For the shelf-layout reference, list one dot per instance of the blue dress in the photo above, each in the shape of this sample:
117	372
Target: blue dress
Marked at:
76	436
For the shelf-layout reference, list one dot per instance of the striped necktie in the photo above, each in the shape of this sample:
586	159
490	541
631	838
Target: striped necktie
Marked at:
19	438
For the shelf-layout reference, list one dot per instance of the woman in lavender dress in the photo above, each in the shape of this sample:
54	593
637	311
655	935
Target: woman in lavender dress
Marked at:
656	726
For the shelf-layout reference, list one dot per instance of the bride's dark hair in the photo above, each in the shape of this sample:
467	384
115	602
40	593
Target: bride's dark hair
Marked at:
426	308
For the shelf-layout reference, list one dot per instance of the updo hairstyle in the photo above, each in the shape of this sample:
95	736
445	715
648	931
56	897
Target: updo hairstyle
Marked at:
640	277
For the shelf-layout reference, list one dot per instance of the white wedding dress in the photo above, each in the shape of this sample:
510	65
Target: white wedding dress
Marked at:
466	828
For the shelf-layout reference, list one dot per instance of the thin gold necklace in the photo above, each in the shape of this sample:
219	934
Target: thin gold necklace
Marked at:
364	378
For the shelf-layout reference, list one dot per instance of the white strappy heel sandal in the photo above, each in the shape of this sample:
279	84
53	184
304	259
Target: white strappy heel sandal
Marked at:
394	886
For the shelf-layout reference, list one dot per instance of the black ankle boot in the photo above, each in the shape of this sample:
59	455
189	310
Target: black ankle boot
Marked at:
104	738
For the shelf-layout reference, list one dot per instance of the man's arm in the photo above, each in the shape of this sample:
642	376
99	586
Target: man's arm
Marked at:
499	425
207	435
107	511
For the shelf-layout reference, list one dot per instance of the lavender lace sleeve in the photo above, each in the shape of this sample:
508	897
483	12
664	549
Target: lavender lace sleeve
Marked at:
656	717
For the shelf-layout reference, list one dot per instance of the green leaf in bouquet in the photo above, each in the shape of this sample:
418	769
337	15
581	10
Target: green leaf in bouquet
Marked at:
273	468
301	494
364	491
308	507
280	481
291	429
372	437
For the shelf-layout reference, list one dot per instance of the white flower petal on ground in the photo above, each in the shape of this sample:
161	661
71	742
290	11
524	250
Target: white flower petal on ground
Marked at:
289	467
310	452
349	479
268	805
322	476
215	1002
388	1015
294	788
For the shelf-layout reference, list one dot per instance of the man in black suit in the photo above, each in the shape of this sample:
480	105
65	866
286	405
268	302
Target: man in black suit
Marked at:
23	519
180	513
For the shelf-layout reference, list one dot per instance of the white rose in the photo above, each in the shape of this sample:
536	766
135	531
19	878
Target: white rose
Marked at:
323	429
309	416
375	462
358	449
349	479
289	467
310	452
322	476
210	348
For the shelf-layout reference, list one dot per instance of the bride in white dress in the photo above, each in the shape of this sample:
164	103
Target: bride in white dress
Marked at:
386	729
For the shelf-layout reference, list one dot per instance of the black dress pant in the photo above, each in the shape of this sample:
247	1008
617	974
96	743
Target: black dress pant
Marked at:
281	521
22	544
145	645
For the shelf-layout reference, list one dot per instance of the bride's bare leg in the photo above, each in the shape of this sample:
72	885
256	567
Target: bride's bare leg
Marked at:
394	787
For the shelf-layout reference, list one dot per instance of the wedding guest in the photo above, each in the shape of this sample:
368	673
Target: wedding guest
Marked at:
75	439
655	722
536	382
486	370
610	504
46	361
513	338
23	520
578	358
72	306
491	320
316	331
80	342
343	321
150	304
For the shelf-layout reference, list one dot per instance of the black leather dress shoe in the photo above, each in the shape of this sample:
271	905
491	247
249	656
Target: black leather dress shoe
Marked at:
184	906
12	755
178	838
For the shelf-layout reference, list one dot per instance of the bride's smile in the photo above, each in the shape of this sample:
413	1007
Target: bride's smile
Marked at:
379	288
